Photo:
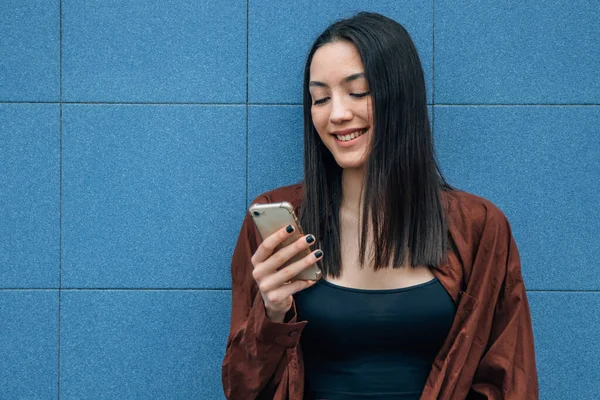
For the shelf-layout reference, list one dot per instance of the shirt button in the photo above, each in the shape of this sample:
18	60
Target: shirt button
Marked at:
293	333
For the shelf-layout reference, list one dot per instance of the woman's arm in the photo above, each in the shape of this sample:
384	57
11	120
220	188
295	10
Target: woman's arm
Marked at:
255	357
507	369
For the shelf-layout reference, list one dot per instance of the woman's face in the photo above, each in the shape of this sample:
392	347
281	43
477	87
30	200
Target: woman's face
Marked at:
341	103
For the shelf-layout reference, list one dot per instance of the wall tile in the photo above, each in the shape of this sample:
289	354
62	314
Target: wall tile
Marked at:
517	52
275	148
29	50
280	37
29	344
541	165
150	193
143	344
566	326
154	51
30	195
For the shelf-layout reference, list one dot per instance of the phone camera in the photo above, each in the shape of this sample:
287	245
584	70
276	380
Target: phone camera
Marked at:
256	214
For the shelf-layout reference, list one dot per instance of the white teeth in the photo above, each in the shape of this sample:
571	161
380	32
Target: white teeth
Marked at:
350	136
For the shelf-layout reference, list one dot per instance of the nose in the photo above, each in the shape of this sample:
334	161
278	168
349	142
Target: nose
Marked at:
339	111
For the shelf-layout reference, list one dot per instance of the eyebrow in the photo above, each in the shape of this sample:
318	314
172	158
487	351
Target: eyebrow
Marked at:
347	79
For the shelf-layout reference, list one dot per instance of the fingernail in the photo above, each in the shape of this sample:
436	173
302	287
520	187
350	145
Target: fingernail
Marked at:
318	254
310	239
289	229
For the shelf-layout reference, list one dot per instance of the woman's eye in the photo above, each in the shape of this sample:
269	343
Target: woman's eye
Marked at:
359	94
320	101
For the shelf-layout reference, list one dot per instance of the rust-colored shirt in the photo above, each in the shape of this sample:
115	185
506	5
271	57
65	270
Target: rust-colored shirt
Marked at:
488	353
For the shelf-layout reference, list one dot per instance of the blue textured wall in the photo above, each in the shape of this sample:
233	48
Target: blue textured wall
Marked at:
122	124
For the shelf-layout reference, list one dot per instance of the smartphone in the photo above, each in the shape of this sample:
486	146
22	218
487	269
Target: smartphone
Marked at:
271	217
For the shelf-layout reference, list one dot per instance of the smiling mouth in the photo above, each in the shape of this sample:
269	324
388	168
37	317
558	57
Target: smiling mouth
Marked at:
350	136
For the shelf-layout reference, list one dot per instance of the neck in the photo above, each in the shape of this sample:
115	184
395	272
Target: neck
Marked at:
352	182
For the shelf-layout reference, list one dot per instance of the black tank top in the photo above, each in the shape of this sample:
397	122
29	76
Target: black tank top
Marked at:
371	344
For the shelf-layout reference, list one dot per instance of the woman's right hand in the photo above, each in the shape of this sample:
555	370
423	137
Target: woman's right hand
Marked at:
274	285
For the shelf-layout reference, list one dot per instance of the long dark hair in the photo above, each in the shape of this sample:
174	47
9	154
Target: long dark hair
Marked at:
403	182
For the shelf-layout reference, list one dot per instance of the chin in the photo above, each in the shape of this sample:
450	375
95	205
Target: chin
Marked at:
351	164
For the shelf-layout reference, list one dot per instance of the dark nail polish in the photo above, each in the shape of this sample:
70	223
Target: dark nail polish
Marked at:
310	239
318	254
289	229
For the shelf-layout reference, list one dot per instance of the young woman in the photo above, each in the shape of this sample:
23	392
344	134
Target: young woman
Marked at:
422	294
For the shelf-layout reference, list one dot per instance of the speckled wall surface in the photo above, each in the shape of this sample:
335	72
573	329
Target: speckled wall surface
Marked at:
134	134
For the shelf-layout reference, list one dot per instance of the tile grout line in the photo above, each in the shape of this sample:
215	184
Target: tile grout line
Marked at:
563	290
432	67
220	289
247	91
144	289
150	289
516	105
60	169
298	104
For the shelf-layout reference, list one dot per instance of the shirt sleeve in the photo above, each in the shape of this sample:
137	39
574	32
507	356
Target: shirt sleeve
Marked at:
507	369
255	356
